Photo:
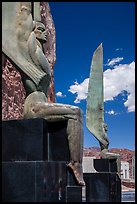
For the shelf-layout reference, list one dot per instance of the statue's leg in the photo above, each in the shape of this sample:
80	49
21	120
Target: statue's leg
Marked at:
75	139
37	107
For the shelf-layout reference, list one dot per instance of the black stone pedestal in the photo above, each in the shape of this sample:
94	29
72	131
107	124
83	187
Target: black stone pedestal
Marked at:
34	157
105	165
30	181
73	194
104	185
38	181
34	140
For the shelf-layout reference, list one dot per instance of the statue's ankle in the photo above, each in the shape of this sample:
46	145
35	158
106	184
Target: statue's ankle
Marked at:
76	167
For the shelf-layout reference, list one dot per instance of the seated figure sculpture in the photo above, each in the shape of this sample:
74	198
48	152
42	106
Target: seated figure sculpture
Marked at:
36	106
36	103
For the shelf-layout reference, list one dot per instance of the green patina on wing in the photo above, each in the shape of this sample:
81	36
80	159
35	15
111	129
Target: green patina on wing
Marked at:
95	98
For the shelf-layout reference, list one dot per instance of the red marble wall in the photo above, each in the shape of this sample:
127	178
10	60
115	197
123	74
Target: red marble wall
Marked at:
13	92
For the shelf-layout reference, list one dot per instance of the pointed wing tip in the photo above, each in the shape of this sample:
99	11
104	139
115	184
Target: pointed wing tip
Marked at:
100	46
98	50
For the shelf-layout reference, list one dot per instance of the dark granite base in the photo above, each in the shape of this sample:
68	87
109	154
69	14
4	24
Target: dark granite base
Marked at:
34	181
73	194
105	165
102	187
30	181
34	155
34	140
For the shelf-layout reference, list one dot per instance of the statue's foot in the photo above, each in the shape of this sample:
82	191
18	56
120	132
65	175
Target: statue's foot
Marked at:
104	154
78	172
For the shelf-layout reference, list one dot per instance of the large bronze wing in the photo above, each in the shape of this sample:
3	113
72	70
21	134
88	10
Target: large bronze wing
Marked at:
95	98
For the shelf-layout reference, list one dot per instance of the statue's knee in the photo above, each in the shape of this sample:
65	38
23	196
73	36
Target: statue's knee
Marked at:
77	110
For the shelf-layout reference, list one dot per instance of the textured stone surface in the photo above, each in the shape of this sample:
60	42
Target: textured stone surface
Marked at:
13	92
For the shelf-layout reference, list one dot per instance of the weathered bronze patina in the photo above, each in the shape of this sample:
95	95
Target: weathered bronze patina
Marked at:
25	49
95	105
95	99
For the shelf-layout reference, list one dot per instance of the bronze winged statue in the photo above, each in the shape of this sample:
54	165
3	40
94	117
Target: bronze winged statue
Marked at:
25	49
95	106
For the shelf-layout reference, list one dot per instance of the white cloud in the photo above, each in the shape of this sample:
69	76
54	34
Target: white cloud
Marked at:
80	90
120	78
118	49
59	94
130	103
113	61
112	112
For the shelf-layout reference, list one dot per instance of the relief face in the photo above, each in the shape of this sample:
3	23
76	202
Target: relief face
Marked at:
40	32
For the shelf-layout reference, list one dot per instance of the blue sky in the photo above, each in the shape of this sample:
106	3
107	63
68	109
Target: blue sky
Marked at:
80	28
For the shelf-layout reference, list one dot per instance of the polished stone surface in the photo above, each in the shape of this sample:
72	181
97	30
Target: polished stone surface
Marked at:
35	153
102	187
34	140
58	142
22	140
105	165
73	194
33	181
